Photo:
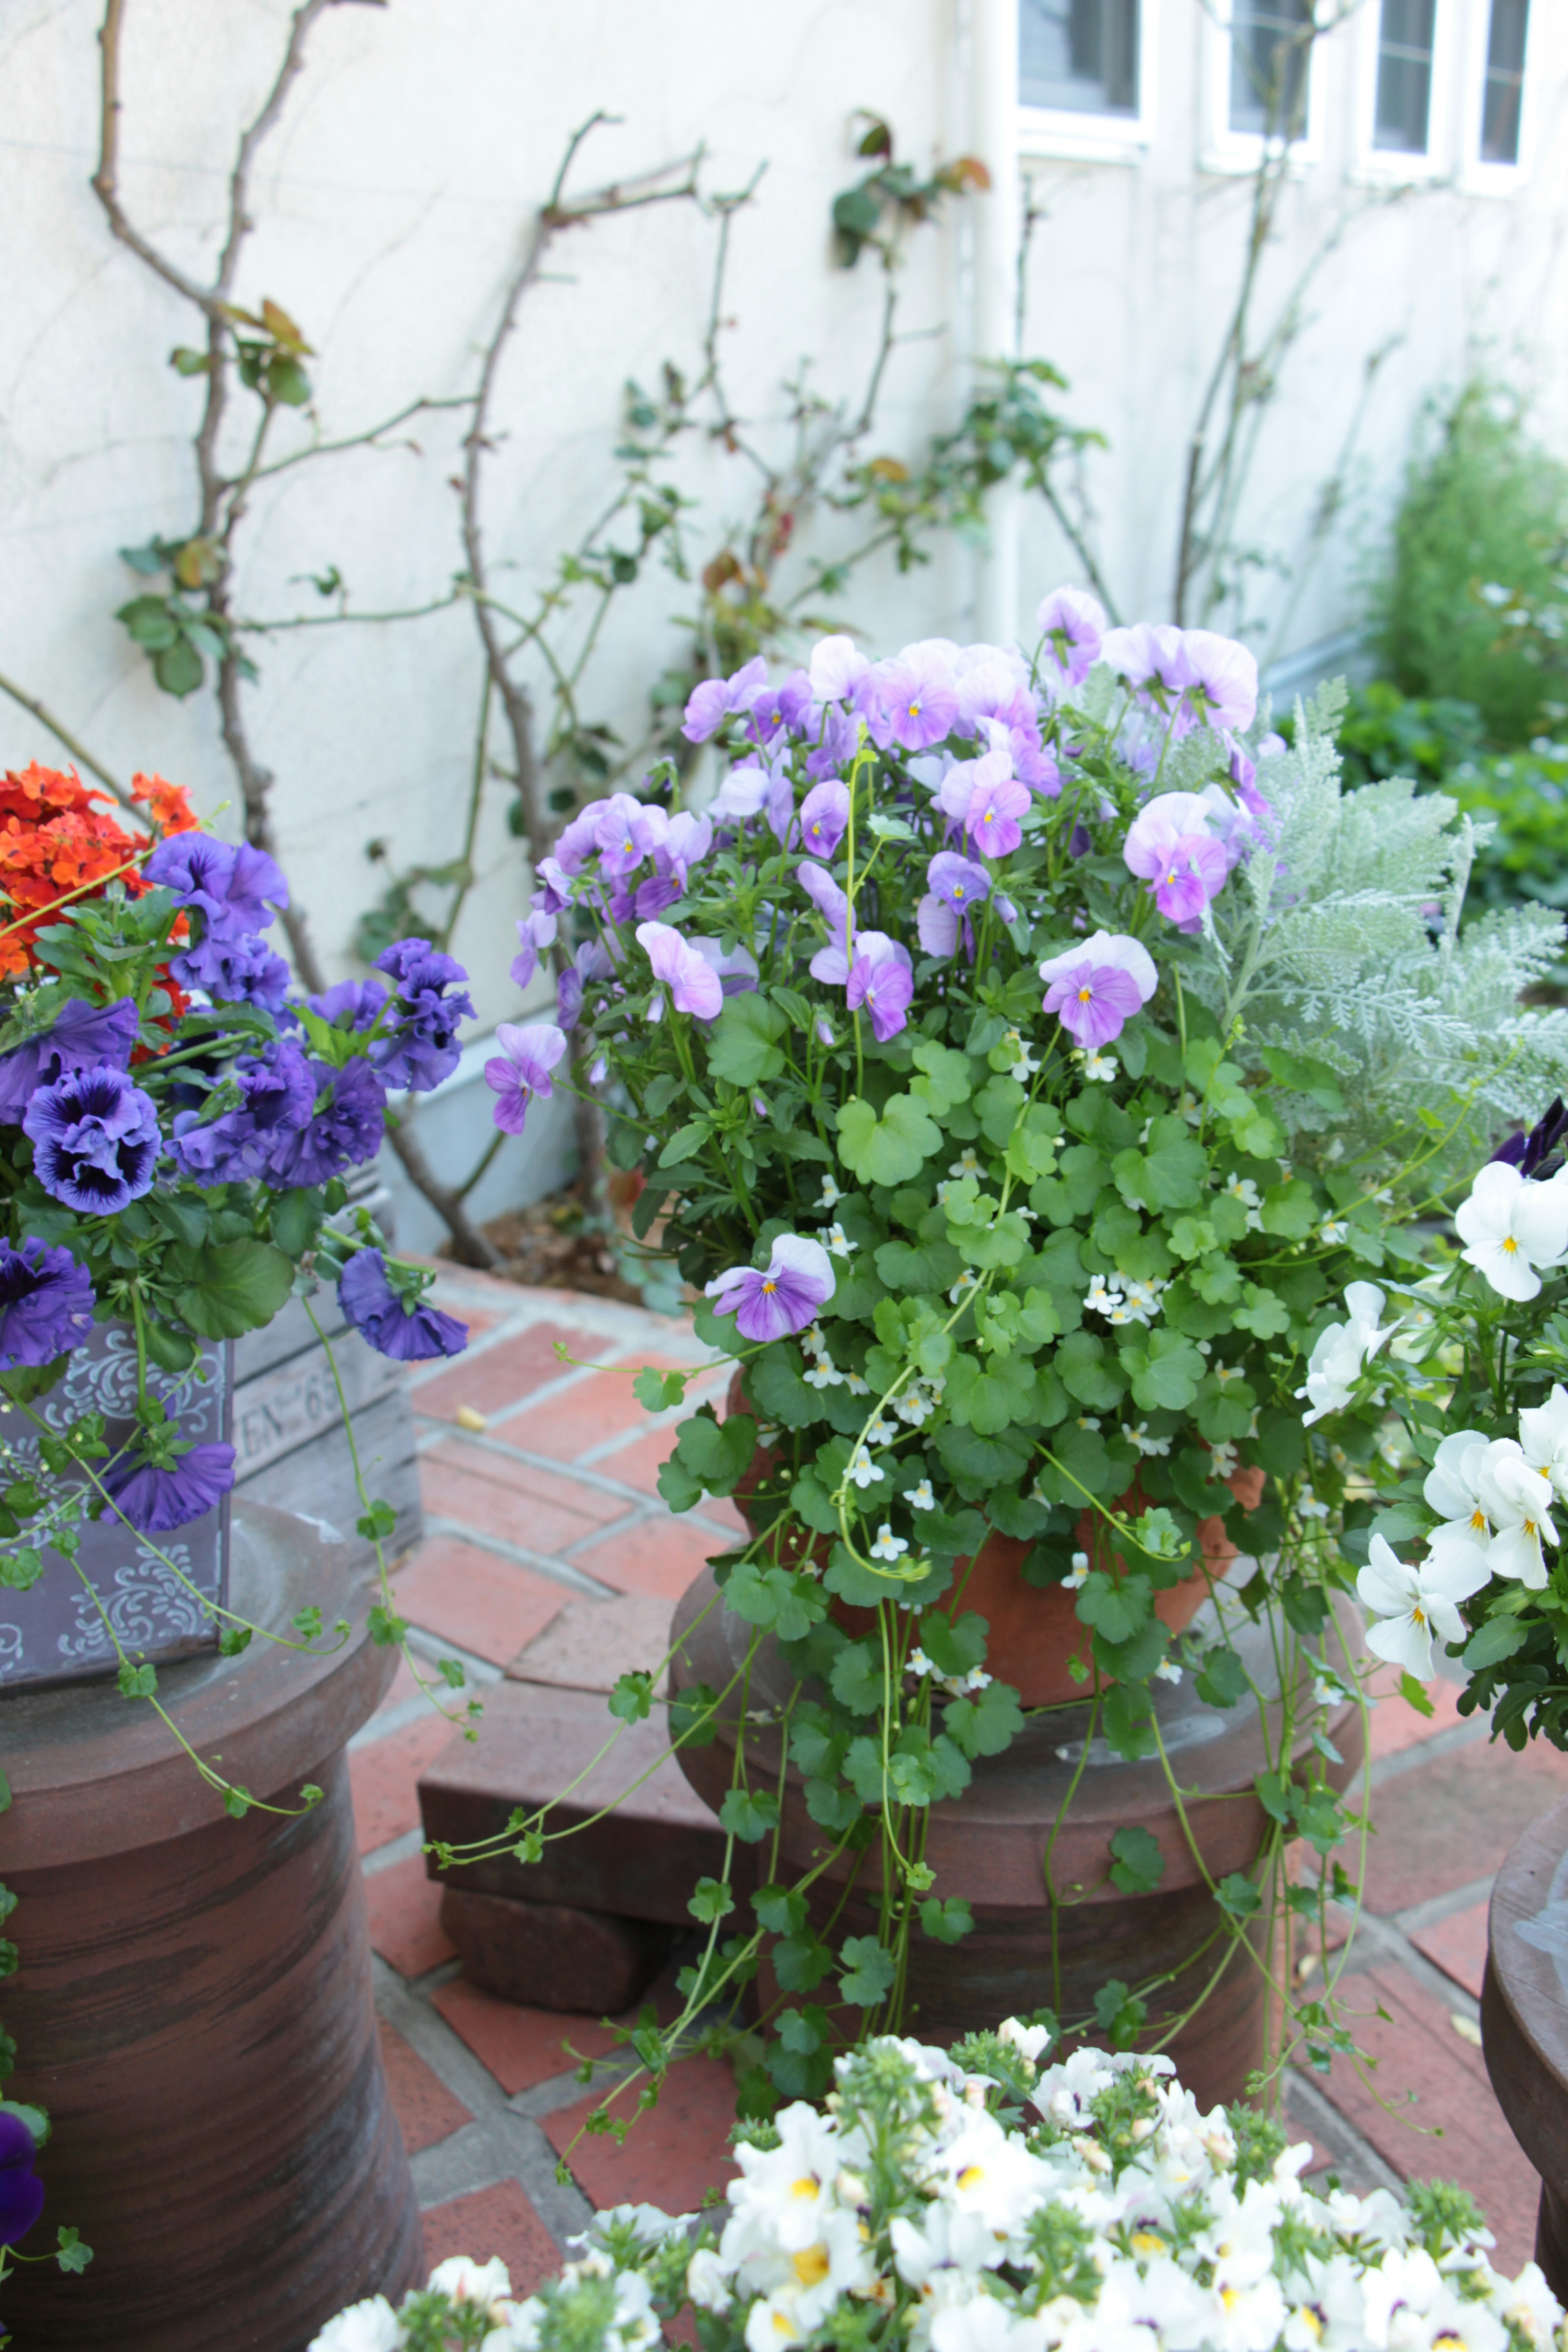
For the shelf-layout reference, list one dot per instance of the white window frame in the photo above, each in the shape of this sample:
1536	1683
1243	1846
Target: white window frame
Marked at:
1071	135
1385	167
1224	151
1477	177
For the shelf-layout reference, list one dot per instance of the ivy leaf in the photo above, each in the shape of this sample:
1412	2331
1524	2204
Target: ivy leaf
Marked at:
985	1724
748	1815
1289	1210
743	1043
945	1080
1223	1682
869	1970
1115	1609
1237	1894
779	1909
800	1962
1137	1864
890	1150
710	1899
657	1391
1264	1314
631	1700
71	2254
714	1454
1119	2013
136	1681
232	1287
949	1921
1165	1370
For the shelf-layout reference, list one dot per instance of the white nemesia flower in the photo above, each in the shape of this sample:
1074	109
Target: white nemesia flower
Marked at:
919	1663
1517	1501
1243	1190
922	1498
913	1406
1513	1227
1224	1457
706	2282
821	1374
368	2327
812	1342
1411	1604
1031	2042
887	1546
1310	1506
1543	1437
1334	1231
1088	1420
967	1281
1100	1067
1167	1671
1101	1298
1340	1353
879	1431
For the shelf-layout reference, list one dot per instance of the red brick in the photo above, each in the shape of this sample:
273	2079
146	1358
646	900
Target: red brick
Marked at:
487	1606
560	1488
405	1908
520	2046
1458	1946
1418	2049
383	1778
671	2155
659	1555
591	1643
491	2222
636	1463
1452	1819
501	1375
595	1408
467	1488
425	2110
405	1683
1396	1725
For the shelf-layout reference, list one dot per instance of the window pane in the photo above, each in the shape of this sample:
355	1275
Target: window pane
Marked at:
1505	81
1079	53
1269	42
1404	75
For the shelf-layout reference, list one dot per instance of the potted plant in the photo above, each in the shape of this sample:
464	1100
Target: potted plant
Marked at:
1029	1059
175	1124
978	2198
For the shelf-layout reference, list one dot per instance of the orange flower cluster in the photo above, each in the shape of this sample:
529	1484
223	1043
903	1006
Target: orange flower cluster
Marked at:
58	837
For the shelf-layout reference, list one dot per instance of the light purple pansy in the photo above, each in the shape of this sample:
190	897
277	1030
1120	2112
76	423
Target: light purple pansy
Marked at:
913	701
1073	623
736	967
628	832
742	792
522	1069
578	840
836	669
591	962
880	979
840	742
1097	987
987	800
554	893
944	914
1154	660
687	842
825	817
781	706
831	963
1169	844
1222	681
718	698
534	932
993	689
786	1297
693	984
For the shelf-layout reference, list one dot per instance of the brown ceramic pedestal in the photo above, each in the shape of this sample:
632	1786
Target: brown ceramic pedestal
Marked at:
194	2001
1524	2019
989	1845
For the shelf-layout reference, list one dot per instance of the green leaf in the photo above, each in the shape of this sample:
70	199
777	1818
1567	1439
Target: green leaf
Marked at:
657	1391
1238	1896
1117	1610
710	1899
779	1909
888	1150
1165	1370
27	1382
20	1568
1414	1693
1120	2012
869	1970
1223	1682
136	1681
716	1453
1307	1077
800	1962
178	668
945	1078
378	1522
1498	1639
949	1921
1137	1865
1289	1210
233	1287
748	1815
985	1724
743	1043
1264	1314
631	1699
72	2256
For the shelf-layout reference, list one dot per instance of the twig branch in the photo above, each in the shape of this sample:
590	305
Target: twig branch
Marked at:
366	440
62	735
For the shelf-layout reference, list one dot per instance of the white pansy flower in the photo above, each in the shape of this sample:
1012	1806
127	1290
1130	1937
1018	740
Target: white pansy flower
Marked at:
368	2327
1340	1353
889	1546
922	1498
830	1194
1450	1489
1512	1228
839	1242
706	2281
1543	1437
863	1470
1517	1501
1411	1604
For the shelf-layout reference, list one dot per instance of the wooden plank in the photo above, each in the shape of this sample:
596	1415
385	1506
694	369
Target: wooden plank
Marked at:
297	1401
317	1479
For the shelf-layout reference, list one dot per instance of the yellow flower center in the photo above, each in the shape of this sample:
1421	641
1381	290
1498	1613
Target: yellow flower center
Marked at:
1510	1245
1418	1614
812	2267
1530	1527
1313	2317
768	1286
1478	1520
806	2186
1086	996
1148	2242
971	2176
914	711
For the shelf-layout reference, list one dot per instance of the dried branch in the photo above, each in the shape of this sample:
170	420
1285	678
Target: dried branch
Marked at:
82	757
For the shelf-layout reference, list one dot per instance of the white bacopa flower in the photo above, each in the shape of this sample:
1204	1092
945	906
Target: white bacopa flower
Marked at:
913	1406
838	1241
1340	1353
1543	1438
879	1431
821	1374
1101	1298
919	1663
1310	1506
1079	1575
887	1546
967	1165
368	2327
1411	1604
1512	1228
1167	1671
1334	1231
856	1385
830	1194
1100	1068
812	1342
1224	1457
1517	1501
863	1470
1450	1489
922	1498
1141	1438
1088	1420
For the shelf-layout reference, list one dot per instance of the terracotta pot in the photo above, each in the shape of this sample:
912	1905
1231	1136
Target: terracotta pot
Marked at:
1035	1633
995	1844
1524	2019
193	2001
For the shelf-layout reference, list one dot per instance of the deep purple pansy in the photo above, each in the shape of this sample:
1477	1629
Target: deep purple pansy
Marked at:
233	885
153	1500
95	1141
21	2190
395	1326
81	1036
45	1304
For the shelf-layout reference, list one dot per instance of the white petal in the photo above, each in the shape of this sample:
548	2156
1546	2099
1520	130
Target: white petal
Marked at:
1366	1302
1452	1574
1404	1643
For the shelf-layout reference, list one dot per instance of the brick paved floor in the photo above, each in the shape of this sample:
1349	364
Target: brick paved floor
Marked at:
539	1482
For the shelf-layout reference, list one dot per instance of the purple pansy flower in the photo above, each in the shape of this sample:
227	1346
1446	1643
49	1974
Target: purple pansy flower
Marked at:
419	1047
154	1497
576	842
742	792
987	800
780	705
522	1069
687	842
21	2190
714	700
553	895
840	741
736	967
1097	987
995	688
628	831
95	1141
1073	624
344	1129
46	1305
393	1325
535	932
786	1297
81	1036
831	963
1244	776
956	885
591	962
228	882
277	1100
693	984
836	669
1223	678
880	979
1170	846
912	700
825	817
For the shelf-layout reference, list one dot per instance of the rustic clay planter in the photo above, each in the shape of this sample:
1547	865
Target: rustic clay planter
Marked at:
193	2001
991	1844
1524	2019
1035	1636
